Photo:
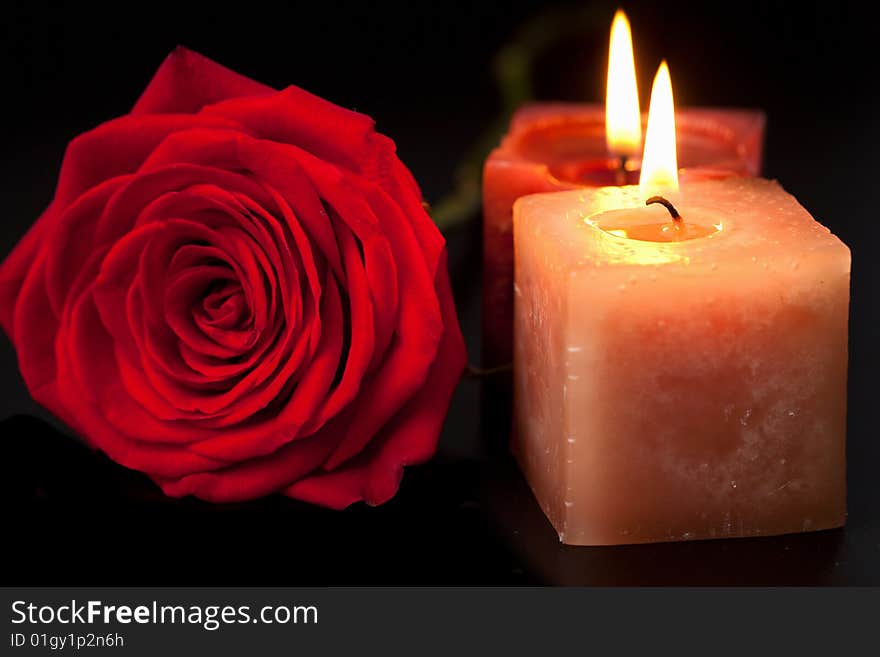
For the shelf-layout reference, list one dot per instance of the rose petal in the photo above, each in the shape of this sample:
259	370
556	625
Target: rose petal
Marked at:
18	264
119	147
35	326
360	334
419	323
221	149
410	438
254	478
72	242
296	117
187	81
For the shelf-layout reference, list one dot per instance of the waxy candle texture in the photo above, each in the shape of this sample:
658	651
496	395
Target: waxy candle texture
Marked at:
680	390
558	146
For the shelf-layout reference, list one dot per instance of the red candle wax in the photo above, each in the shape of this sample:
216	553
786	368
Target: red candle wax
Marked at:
558	146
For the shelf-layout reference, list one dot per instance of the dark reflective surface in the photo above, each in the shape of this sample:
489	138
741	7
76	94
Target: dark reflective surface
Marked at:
808	559
72	517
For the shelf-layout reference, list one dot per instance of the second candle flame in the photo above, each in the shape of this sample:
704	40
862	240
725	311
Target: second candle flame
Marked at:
659	162
623	122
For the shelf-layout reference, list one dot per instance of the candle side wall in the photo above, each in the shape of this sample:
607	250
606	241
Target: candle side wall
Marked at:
707	413
539	398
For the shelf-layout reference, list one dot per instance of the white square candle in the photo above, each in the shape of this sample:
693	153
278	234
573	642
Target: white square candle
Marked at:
682	389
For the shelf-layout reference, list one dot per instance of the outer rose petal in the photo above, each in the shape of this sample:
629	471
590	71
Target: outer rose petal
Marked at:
119	147
296	117
187	81
411	437
14	269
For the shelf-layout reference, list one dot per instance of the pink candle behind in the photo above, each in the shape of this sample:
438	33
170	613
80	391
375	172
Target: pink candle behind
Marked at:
558	146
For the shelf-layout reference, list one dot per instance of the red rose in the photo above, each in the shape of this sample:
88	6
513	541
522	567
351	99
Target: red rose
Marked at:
236	290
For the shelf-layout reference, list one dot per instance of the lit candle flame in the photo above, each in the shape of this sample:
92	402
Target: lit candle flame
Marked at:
623	123
659	163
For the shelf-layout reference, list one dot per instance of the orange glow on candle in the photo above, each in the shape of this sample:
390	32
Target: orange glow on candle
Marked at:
623	123
659	162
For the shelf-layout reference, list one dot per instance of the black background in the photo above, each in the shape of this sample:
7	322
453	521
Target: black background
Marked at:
424	72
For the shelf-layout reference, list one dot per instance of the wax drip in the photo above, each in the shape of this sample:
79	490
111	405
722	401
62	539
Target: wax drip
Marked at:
666	204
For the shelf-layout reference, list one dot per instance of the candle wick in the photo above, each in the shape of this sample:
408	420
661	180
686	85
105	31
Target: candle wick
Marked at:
620	173
666	204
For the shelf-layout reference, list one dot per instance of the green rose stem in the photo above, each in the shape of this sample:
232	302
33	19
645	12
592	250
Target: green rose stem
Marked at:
513	71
